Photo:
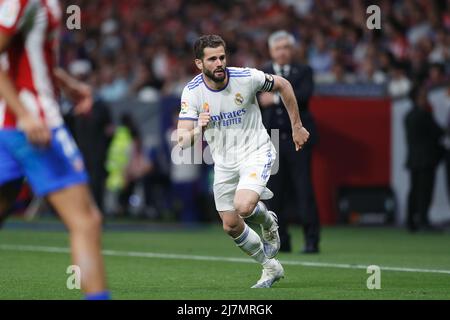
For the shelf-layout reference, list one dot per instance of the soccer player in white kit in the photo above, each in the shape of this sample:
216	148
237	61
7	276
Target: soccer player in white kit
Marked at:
221	103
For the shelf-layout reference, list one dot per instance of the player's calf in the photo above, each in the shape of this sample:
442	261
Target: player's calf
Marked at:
84	221
262	216
233	225
244	236
250	242
269	228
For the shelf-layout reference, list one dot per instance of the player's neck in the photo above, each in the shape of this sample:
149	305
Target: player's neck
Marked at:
216	86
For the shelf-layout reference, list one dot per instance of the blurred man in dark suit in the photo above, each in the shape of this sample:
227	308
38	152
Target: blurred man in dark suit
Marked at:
293	179
92	132
424	154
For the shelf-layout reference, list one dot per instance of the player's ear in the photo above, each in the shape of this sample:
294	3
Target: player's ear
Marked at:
199	64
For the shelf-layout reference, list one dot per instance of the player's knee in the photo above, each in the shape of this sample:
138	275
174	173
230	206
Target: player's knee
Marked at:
96	217
244	208
89	221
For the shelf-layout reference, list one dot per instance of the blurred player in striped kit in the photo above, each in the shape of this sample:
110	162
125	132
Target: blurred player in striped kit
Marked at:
34	143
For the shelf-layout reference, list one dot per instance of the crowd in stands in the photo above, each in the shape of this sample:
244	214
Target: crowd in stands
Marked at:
144	47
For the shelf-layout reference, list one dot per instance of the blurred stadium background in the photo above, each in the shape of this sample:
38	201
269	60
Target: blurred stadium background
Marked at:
137	55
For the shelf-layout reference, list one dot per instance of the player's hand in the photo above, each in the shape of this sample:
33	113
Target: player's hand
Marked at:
204	119
83	99
300	136
35	129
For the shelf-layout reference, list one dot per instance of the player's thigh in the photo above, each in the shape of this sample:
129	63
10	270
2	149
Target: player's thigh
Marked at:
76	207
225	184
254	176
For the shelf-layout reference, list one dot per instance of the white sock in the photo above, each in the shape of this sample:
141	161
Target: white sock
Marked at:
261	216
250	242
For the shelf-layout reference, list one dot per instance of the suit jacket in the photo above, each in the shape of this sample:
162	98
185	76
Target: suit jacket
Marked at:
277	117
423	138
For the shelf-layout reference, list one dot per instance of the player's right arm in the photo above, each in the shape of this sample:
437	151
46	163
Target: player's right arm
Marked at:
189	131
34	128
192	120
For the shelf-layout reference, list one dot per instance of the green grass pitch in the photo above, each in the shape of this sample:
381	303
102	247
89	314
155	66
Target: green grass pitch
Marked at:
177	264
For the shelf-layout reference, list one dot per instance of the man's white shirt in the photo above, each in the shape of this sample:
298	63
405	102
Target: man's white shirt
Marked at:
235	132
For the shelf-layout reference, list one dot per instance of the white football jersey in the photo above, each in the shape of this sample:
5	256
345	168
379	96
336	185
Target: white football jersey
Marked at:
235	131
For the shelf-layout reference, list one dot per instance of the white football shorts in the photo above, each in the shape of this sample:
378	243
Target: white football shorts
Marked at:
252	174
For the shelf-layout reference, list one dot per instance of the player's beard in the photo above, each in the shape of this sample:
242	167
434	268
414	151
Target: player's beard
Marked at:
213	77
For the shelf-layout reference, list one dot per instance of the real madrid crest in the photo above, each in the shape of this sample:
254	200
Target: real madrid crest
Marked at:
239	99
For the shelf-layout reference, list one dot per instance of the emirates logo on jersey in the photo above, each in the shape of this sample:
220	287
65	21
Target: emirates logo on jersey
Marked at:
226	119
239	99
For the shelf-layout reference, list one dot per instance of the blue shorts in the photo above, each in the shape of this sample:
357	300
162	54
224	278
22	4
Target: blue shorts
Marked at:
48	169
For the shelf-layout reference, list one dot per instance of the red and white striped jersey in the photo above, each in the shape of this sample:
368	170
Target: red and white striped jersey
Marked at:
31	57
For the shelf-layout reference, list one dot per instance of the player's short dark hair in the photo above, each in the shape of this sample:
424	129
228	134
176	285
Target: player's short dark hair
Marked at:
207	41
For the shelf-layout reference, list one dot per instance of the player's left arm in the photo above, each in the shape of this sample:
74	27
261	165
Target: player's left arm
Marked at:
299	133
77	91
36	130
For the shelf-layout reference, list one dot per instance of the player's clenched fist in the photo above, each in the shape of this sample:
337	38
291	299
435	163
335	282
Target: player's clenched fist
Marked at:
204	119
300	137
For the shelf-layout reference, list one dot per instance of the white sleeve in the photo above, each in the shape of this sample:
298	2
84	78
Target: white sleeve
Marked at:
262	82
11	15
189	107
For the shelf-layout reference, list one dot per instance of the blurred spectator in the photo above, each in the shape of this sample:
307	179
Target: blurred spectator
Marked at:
320	58
338	75
440	100
424	154
93	133
436	76
399	85
293	179
184	176
134	177
114	87
144	78
370	74
441	51
418	65
117	161
136	171
447	153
